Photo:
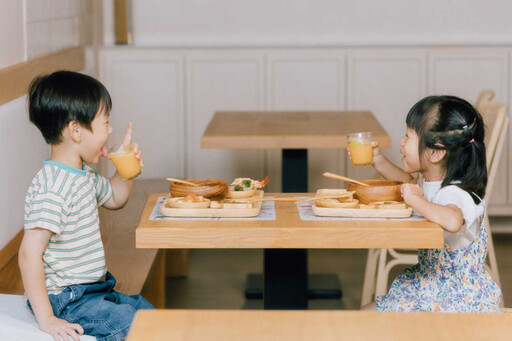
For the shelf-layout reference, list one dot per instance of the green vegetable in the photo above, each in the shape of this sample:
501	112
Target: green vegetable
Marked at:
238	188
246	183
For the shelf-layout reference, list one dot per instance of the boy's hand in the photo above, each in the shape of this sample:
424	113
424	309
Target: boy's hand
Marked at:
128	140
410	192
61	329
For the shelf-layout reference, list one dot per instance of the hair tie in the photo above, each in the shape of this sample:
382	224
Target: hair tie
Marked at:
472	140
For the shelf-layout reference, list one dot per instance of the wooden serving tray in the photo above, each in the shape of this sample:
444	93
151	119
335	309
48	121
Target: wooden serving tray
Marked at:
357	212
215	212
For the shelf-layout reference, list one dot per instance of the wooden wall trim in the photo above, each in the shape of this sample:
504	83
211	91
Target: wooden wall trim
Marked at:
121	21
15	79
10	250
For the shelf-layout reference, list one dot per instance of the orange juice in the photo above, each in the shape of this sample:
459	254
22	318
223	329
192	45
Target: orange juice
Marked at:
362	154
126	164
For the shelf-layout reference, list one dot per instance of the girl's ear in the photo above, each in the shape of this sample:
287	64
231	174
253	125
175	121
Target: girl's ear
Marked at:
74	131
436	155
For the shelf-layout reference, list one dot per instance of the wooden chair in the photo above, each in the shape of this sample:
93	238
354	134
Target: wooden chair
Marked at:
377	264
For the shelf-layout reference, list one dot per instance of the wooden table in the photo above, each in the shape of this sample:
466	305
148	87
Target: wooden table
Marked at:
294	133
287	232
235	325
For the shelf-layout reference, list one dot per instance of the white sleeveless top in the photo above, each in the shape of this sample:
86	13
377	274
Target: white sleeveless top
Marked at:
453	195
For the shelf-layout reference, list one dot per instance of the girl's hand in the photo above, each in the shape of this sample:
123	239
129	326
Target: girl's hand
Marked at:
61	329
410	192
376	151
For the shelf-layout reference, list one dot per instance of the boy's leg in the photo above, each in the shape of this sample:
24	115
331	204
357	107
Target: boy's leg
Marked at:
136	301
102	316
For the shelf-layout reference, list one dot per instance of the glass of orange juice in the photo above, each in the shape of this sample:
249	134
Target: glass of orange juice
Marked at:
123	157
361	150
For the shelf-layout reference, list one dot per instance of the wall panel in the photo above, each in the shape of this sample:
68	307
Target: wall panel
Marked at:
465	73
388	83
222	81
146	88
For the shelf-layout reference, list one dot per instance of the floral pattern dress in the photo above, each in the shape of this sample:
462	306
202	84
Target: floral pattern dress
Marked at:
447	280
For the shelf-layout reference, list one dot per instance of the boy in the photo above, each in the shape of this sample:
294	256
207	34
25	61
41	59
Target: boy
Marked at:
61	257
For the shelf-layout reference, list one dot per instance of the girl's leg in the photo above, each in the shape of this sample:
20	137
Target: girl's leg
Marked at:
370	307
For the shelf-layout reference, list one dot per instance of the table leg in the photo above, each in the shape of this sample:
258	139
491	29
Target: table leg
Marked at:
286	271
286	279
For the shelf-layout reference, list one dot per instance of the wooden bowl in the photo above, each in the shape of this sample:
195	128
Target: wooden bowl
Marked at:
379	190
208	188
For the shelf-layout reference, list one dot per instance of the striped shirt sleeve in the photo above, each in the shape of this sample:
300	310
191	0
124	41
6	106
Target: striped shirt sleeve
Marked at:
103	189
47	210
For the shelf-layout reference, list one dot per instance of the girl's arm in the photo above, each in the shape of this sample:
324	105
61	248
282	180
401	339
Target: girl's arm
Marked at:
449	217
388	169
30	258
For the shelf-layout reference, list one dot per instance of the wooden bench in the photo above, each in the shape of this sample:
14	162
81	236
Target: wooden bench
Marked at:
310	325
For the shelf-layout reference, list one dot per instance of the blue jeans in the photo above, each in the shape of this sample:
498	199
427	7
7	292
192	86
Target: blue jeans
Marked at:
102	312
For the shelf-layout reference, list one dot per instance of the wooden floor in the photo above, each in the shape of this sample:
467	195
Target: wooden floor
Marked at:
217	277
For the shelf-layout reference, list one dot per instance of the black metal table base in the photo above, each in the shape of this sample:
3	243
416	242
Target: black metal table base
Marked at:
321	286
286	281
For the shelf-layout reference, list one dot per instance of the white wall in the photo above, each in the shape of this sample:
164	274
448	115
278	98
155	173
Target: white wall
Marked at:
326	22
12	40
22	151
49	26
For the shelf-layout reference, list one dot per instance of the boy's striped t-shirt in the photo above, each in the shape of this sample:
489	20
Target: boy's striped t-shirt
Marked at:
65	201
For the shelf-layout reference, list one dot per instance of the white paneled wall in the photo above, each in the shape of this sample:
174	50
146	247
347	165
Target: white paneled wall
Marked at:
218	81
307	81
387	82
52	25
179	98
147	89
22	152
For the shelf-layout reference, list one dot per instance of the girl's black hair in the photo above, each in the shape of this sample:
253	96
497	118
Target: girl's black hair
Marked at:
55	100
452	124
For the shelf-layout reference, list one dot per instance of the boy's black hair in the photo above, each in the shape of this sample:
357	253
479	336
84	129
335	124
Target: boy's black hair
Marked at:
452	124
55	100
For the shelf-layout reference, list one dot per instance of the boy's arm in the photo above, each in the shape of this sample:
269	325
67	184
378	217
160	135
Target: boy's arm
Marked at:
449	217
32	272
121	189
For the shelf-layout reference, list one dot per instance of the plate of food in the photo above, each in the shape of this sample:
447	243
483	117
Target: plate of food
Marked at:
193	205
343	203
245	187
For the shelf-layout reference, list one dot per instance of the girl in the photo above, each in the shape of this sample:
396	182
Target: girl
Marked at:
444	142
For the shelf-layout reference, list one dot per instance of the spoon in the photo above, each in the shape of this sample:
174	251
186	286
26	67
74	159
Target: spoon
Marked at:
344	178
182	181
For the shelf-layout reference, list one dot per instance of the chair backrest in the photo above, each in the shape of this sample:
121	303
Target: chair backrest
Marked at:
495	119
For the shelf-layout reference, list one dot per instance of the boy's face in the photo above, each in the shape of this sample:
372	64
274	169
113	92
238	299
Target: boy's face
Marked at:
409	149
93	141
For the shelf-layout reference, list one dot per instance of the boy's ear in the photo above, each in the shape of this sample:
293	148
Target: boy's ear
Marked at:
74	131
436	155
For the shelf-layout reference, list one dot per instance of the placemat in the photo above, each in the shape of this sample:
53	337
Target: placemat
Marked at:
306	213
268	212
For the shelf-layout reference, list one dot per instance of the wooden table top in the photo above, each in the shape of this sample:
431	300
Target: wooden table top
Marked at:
310	325
287	231
289	130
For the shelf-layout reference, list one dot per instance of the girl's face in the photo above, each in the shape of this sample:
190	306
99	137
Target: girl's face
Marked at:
93	141
409	149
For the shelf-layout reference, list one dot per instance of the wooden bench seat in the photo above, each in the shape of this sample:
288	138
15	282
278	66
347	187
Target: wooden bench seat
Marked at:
310	325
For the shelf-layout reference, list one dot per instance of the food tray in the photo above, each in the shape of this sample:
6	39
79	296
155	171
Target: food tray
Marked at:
357	212
215	212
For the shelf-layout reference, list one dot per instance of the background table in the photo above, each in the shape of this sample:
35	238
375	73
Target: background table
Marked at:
293	132
288	231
